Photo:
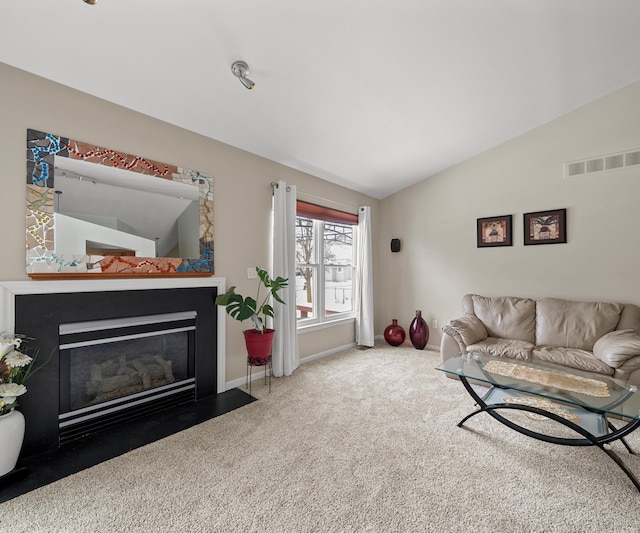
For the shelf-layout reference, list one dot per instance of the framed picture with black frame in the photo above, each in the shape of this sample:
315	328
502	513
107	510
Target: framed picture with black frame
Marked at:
494	231
545	227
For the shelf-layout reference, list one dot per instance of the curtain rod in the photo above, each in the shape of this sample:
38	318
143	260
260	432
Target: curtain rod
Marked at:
274	185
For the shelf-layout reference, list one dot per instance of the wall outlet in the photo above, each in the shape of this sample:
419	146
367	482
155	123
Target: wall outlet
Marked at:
251	273
433	323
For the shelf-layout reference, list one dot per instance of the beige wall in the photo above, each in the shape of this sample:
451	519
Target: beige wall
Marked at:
241	238
436	220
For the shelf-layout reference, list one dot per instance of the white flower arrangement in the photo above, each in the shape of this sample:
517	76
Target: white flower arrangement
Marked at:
15	368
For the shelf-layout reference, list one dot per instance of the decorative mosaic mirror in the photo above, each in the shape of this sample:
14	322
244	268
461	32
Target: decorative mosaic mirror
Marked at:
92	210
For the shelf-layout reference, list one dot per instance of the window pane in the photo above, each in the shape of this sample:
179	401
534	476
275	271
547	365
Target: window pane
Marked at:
305	253
338	290
324	269
338	271
305	280
338	244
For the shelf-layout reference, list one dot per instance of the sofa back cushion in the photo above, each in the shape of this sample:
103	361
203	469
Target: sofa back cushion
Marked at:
507	317
574	324
630	317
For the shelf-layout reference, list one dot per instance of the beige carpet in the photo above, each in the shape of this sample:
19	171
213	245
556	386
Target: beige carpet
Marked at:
359	441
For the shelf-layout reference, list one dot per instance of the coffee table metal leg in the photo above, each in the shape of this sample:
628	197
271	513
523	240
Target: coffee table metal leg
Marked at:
626	445
622	466
588	440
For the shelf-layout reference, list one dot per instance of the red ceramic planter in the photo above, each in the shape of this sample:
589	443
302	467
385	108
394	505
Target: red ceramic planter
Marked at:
258	345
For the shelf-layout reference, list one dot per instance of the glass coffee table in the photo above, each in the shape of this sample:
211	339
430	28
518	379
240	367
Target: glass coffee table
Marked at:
580	401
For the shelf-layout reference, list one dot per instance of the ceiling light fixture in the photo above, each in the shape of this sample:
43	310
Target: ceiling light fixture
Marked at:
90	2
240	70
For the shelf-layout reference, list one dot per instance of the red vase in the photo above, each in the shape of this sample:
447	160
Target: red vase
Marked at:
394	334
258	346
419	332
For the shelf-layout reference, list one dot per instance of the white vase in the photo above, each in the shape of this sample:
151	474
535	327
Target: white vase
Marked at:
11	437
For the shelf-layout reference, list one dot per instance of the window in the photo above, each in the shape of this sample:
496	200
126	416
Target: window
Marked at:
325	263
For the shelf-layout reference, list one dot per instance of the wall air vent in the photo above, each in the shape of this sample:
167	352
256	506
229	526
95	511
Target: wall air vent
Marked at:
575	169
595	165
632	158
614	161
602	163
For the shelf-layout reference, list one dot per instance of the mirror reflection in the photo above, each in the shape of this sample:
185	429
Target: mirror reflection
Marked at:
102	210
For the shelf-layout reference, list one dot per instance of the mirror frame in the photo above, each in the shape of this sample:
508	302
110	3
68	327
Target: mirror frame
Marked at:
41	259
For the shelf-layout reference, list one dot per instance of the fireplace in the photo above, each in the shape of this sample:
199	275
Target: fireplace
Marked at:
113	370
114	350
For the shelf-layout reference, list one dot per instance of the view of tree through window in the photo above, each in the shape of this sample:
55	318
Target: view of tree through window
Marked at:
324	281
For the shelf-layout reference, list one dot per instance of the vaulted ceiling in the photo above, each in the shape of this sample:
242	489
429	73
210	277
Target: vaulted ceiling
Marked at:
374	95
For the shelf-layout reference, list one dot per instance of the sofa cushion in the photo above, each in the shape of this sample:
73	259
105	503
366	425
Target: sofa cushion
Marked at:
571	357
466	330
467	304
574	324
513	349
507	317
629	371
630	317
616	347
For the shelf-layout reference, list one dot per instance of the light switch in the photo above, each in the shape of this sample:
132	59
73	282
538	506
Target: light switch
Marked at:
251	273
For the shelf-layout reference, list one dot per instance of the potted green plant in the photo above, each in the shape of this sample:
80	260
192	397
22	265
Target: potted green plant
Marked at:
259	339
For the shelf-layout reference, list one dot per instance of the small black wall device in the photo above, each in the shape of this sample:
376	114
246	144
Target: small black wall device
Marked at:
395	245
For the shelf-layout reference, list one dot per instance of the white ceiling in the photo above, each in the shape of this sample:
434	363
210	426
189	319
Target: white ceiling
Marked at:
375	95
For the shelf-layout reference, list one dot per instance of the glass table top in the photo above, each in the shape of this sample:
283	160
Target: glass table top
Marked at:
587	390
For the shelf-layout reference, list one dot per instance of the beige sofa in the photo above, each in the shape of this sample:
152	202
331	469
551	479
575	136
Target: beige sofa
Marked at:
594	336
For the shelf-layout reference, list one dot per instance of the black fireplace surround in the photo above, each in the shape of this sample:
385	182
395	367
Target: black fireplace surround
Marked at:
39	316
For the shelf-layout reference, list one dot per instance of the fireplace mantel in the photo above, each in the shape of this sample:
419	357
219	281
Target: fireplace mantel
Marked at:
10	289
39	308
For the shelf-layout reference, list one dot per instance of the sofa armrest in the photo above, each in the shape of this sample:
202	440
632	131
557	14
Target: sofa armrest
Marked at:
466	330
448	347
616	347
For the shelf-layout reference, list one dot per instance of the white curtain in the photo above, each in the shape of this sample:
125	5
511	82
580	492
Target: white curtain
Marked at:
364	280
284	355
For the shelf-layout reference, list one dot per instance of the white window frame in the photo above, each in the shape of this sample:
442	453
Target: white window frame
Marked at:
320	319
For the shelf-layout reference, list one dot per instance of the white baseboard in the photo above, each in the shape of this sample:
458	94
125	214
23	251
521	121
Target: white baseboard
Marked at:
259	374
241	382
434	347
320	355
